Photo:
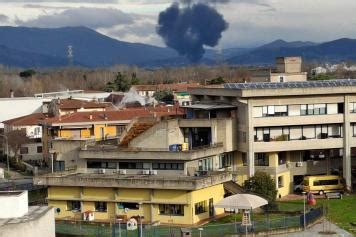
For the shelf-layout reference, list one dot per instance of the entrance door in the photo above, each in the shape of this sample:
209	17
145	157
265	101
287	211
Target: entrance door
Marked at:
211	207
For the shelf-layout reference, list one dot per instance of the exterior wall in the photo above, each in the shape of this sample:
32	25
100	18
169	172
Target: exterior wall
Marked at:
13	204
301	76
68	151
286	186
109	131
149	199
42	226
32	151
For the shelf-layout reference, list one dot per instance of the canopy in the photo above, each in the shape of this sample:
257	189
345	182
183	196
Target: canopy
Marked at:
242	201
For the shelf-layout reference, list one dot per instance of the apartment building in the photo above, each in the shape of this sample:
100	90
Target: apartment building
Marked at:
291	129
168	169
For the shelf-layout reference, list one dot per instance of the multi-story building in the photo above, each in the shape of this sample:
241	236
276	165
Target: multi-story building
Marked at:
168	169
291	129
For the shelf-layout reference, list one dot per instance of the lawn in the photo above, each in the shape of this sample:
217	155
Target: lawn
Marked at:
342	212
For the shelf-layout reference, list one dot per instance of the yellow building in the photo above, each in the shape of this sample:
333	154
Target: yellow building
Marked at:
168	200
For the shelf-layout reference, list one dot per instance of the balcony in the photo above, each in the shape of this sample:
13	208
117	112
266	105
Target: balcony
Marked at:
116	153
74	179
298	145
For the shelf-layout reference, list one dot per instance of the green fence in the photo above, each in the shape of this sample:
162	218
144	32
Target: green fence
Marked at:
65	229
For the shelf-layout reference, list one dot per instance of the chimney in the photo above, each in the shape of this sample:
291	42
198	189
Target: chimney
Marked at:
12	93
91	117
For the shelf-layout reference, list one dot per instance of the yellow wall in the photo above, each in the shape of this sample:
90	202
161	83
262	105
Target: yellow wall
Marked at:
85	133
273	159
89	195
65	133
108	131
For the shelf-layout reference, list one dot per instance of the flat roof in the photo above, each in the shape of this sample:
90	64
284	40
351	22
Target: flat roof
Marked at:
34	212
291	84
209	106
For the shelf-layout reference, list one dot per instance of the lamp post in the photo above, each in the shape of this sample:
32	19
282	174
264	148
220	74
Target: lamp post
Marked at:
200	230
7	152
304	219
119	220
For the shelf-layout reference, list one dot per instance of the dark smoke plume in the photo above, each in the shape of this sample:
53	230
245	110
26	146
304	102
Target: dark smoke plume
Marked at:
190	28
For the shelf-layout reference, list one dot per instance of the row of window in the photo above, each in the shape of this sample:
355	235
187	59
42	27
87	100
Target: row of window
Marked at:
24	150
164	209
297	110
134	165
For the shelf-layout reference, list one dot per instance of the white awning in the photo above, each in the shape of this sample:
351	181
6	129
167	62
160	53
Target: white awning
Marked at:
242	201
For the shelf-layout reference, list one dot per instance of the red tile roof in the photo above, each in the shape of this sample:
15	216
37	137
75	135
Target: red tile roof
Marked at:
28	120
180	87
115	115
77	104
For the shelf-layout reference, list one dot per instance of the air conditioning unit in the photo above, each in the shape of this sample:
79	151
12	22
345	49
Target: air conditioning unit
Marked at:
153	172
147	172
101	171
122	171
299	164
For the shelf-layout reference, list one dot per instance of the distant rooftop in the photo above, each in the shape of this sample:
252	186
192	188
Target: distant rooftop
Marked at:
34	212
289	85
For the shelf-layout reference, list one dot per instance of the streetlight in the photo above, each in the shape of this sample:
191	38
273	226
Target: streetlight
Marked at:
119	220
304	219
7	152
200	230
141	216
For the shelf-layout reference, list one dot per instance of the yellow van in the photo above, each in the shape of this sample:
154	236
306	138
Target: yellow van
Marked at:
323	183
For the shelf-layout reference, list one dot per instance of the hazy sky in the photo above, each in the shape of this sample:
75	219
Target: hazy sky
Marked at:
251	22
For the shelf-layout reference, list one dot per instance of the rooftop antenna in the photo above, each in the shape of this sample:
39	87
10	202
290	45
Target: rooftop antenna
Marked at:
70	55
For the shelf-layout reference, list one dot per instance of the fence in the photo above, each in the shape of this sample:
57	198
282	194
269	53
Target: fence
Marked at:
65	229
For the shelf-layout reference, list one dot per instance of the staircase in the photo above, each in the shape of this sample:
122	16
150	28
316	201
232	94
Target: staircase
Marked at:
233	188
135	128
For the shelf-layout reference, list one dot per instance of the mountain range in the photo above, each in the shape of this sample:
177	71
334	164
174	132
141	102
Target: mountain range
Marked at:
43	47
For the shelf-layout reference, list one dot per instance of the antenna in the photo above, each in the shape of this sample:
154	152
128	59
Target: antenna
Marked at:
70	55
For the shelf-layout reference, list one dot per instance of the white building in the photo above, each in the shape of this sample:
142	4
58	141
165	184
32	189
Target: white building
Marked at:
19	220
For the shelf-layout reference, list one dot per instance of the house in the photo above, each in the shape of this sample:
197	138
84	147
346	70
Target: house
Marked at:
31	124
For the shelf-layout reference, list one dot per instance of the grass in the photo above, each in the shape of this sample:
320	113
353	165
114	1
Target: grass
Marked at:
342	212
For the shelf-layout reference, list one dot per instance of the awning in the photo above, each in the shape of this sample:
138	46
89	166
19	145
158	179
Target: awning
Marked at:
210	106
242	201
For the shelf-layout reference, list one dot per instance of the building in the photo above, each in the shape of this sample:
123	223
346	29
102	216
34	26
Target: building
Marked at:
19	220
287	69
180	91
64	135
171	170
99	96
31	124
291	129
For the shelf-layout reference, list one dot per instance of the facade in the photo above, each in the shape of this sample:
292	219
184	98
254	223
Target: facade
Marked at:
292	129
19	220
168	169
287	69
32	125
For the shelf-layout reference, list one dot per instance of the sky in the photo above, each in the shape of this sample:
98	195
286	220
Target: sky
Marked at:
251	22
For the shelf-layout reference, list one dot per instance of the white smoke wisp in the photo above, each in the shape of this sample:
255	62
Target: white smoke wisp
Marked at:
132	97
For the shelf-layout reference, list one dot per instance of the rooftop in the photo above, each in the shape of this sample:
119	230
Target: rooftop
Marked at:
179	87
27	120
34	212
77	104
75	178
289	85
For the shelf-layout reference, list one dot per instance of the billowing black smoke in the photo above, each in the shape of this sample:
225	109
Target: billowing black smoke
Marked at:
189	28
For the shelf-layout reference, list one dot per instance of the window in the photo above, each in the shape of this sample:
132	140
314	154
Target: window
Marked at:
174	210
225	160
101	207
24	150
200	207
244	159
281	79
120	129
353	107
131	165
261	159
205	164
280	182
273	111
101	165
73	206
168	166
129	205
313	109
326	182
39	149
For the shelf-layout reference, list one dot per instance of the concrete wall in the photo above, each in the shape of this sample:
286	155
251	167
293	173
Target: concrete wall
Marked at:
32	152
68	151
13	204
37	227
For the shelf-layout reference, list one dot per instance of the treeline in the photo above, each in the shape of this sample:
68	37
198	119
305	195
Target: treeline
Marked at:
27	82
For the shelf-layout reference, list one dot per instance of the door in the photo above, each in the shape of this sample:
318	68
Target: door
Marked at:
211	207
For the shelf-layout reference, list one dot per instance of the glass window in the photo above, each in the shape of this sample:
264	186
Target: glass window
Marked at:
261	159
303	110
169	209
129	205
200	207
39	149
101	207
73	206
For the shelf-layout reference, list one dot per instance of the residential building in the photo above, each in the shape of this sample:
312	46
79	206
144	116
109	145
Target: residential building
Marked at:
291	129
31	124
19	220
170	170
99	96
287	69
180	91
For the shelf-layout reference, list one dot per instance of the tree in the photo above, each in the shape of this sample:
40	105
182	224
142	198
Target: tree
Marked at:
134	79
262	184
216	81
16	139
120	83
27	73
165	96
